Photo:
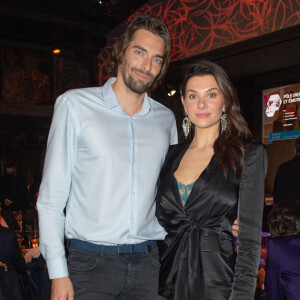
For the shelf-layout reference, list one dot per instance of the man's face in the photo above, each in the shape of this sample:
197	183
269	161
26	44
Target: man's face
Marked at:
142	61
10	170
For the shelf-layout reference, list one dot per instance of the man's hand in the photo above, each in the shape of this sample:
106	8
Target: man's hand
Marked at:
7	202
235	228
62	289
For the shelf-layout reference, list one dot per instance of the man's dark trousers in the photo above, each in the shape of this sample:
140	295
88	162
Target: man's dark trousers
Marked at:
124	273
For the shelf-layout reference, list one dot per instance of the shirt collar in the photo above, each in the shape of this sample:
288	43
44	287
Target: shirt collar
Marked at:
109	96
112	101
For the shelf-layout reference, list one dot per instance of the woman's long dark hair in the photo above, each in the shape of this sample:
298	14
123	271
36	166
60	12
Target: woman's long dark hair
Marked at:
229	147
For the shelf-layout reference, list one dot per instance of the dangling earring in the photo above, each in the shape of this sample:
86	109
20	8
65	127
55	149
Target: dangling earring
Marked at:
186	125
223	122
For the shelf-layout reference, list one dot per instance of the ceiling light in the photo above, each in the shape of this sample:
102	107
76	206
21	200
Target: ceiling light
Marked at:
171	93
56	51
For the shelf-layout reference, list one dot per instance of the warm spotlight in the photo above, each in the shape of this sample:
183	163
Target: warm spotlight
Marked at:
56	51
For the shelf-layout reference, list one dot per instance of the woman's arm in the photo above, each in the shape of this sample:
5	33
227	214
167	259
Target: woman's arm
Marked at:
250	212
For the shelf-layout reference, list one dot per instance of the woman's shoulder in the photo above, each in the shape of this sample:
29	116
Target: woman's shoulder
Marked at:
255	146
173	153
284	240
255	149
256	155
290	245
178	148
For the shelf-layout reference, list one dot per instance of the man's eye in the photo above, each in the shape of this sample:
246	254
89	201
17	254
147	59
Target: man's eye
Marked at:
139	52
158	61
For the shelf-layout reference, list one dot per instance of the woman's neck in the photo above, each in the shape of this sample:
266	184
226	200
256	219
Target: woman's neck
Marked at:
205	137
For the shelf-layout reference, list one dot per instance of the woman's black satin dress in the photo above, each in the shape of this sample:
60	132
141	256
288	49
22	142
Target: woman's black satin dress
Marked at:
198	260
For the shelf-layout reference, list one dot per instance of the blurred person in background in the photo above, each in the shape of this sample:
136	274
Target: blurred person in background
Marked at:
283	255
14	194
287	181
13	269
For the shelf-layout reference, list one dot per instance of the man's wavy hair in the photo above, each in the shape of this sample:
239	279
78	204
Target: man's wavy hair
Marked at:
284	218
229	147
151	24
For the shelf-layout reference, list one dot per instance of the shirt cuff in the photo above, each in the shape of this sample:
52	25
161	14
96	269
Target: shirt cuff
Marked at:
57	268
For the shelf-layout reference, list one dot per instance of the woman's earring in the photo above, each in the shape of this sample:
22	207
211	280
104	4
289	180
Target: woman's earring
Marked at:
223	122
186	125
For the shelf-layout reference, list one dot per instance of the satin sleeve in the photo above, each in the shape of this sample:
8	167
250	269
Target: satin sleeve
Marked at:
250	213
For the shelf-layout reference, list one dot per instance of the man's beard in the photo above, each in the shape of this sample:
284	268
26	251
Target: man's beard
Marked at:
134	85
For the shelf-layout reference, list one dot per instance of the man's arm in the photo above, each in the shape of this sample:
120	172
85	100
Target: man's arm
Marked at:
55	187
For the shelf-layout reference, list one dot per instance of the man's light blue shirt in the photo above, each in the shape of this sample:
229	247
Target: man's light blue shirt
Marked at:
103	165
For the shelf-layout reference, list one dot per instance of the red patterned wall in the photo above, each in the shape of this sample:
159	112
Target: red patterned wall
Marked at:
70	73
198	26
25	77
31	77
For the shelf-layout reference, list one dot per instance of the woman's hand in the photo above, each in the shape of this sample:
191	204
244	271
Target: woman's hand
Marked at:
235	228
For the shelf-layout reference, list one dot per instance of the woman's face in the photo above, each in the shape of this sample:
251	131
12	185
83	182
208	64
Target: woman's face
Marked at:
203	101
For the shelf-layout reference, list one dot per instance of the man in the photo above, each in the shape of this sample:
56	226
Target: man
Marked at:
105	149
13	189
287	181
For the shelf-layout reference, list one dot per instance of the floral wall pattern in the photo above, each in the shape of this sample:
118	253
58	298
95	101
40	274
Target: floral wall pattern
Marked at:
198	26
32	77
25	77
69	74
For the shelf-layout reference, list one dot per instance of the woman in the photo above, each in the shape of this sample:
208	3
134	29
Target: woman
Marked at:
222	173
283	260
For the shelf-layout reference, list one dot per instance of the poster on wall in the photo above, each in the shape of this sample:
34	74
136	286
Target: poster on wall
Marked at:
281	113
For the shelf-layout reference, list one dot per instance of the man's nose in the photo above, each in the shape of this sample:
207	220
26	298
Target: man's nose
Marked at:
147	63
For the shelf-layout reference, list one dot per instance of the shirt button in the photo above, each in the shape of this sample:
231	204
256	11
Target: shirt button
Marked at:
133	219
133	193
